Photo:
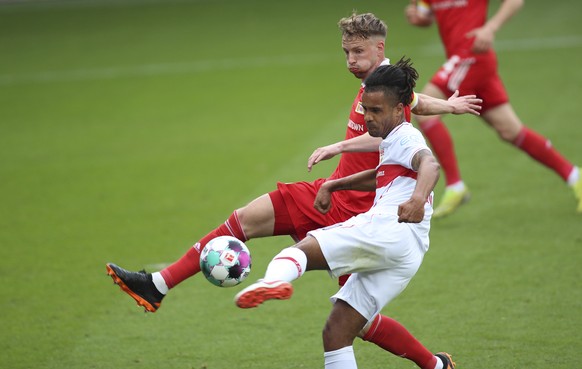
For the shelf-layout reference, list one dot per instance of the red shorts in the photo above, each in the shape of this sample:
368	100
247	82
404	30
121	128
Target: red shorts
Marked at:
472	75
294	211
295	214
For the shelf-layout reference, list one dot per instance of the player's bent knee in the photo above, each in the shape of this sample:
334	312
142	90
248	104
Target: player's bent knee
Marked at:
339	331
333	338
507	135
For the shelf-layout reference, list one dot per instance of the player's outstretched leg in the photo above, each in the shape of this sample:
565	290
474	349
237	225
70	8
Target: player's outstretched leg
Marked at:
261	291
138	285
149	289
447	360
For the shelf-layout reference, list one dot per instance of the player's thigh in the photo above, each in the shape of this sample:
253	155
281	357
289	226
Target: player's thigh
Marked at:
258	217
432	90
365	243
298	198
368	293
315	259
504	121
348	246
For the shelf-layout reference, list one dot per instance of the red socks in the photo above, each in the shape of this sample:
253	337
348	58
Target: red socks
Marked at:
541	149
441	142
393	337
189	264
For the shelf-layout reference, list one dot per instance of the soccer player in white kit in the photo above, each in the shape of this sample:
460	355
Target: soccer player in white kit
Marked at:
383	247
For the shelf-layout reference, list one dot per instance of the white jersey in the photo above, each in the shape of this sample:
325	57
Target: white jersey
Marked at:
381	253
395	178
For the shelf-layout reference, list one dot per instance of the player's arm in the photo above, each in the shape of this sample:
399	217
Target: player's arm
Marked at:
428	171
362	181
422	105
484	36
428	105
362	143
418	14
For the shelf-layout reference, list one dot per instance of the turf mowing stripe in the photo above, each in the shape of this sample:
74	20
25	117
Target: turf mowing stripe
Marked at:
147	70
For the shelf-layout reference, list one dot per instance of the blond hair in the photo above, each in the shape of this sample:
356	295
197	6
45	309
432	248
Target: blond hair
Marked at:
362	26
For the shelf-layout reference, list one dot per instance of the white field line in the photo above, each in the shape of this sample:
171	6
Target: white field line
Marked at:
148	70
528	44
22	6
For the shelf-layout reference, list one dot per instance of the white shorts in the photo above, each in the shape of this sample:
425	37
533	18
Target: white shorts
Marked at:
382	254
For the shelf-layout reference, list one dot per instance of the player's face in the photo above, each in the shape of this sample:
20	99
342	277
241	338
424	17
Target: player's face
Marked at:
363	56
380	113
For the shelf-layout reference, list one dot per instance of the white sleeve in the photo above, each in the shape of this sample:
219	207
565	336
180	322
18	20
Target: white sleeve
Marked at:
403	150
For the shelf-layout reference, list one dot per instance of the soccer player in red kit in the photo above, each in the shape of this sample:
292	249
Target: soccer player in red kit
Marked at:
471	68
289	210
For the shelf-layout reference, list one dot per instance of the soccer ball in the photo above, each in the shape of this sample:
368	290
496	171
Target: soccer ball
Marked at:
225	261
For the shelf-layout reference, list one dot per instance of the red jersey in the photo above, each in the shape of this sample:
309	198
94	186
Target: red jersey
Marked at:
455	18
354	162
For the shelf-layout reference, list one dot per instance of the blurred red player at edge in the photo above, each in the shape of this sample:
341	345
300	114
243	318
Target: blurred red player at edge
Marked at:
471	68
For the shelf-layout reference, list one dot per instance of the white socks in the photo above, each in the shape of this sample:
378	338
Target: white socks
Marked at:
457	186
287	266
340	359
160	283
574	176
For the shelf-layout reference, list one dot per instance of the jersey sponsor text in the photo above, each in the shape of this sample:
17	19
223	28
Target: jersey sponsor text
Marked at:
355	126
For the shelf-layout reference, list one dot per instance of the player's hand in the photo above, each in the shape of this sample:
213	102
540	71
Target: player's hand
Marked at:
322	202
416	17
322	153
484	38
465	104
411	211
411	12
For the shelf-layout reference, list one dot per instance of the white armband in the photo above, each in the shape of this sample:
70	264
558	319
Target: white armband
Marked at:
423	8
414	101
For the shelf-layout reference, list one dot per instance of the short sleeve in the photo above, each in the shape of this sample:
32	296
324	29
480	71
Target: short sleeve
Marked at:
402	148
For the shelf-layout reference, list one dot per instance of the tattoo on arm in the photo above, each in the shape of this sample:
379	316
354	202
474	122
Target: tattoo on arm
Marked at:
416	159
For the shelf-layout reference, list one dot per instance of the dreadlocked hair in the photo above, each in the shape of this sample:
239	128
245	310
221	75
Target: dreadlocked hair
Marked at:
396	80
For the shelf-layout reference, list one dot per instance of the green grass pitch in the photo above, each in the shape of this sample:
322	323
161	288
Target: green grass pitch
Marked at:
128	129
